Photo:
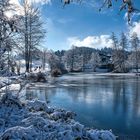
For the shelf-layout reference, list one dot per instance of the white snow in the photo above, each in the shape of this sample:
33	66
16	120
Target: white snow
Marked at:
12	83
35	120
35	66
116	74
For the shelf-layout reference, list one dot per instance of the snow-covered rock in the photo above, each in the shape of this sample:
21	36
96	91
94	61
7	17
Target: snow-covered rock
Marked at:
35	120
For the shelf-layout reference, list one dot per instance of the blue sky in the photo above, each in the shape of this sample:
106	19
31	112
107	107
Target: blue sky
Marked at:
81	24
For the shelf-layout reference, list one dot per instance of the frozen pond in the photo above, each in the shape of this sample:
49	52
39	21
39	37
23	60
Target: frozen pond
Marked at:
101	102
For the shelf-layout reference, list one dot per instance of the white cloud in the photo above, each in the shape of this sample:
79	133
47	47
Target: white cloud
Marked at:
41	1
32	1
97	42
135	28
19	8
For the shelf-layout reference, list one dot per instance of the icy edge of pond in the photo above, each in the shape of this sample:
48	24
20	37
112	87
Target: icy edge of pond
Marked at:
32	120
117	74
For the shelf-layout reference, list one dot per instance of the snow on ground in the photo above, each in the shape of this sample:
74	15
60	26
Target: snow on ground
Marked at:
35	66
35	120
13	83
117	74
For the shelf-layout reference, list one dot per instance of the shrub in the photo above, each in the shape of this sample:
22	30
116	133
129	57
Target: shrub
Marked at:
56	72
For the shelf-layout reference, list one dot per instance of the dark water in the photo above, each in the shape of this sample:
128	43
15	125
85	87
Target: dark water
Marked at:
103	102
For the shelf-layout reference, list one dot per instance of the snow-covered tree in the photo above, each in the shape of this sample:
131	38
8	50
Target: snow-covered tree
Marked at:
53	60
8	30
119	55
32	31
135	56
44	58
95	60
70	58
76	58
123	49
115	53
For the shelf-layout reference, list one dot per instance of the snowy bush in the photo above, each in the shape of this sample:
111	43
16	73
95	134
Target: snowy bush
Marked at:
36	77
35	120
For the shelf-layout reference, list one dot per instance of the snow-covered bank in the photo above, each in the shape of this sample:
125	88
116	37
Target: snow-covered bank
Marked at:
16	82
35	120
116	74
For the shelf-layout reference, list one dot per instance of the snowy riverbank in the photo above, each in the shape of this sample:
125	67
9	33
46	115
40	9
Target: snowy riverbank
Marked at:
117	74
32	120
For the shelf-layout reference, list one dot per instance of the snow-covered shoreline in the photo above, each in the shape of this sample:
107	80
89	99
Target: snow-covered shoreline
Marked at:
117	74
35	120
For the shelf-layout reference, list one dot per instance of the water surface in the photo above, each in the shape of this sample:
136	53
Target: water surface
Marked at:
103	102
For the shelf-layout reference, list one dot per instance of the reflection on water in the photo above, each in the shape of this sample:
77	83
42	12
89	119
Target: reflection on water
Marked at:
102	102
